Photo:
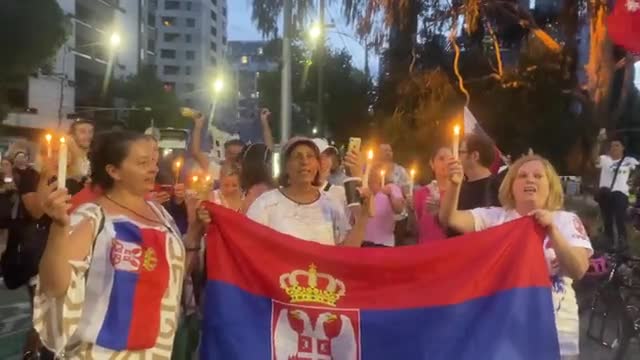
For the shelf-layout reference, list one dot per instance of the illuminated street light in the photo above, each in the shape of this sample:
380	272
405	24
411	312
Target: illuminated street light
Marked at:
218	85
114	40
315	32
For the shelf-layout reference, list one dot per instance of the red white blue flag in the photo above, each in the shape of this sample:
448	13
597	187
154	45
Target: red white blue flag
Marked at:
273	297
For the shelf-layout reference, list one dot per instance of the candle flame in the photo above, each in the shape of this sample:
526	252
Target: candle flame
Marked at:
413	172
382	172
48	137
62	140
194	178
370	155
456	129
178	163
208	178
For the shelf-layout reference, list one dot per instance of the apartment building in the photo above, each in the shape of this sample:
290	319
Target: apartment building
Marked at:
188	46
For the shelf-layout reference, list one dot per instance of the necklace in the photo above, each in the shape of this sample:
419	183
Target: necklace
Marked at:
154	221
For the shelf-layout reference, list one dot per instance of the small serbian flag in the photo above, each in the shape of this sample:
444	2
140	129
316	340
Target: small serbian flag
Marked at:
273	297
471	126
623	25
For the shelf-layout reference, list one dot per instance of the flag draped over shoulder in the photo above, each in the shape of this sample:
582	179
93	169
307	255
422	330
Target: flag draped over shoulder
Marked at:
480	296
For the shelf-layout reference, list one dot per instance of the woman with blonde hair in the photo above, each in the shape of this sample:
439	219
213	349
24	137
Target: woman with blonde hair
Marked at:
533	188
229	194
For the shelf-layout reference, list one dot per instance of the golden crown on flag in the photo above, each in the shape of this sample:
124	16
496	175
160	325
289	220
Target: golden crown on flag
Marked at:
328	293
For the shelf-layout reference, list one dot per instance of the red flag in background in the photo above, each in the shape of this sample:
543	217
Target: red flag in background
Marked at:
624	25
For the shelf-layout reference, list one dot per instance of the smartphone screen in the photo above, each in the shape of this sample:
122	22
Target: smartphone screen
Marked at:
8	180
354	144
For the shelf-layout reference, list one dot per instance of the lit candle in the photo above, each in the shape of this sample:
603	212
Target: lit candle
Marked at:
456	142
177	166
62	164
411	181
194	179
48	138
367	170
382	175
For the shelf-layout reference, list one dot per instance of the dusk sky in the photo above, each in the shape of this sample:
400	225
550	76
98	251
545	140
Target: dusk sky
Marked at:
242	28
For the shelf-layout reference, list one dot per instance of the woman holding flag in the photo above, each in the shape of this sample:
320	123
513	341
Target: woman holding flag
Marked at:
112	272
533	188
300	209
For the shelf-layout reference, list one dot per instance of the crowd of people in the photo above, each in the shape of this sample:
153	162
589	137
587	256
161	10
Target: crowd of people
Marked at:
119	198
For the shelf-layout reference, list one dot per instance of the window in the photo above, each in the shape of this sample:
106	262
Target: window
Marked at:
187	70
244	59
214	31
224	40
189	87
167	54
214	62
214	2
214	46
170	37
191	55
187	38
191	22
188	5
260	51
170	70
188	102
224	11
168	21
151	45
151	19
214	16
171	5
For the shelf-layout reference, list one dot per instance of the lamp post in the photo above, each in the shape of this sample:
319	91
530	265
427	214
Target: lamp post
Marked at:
217	86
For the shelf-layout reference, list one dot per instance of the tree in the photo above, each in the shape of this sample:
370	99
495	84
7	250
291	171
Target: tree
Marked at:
146	90
345	101
31	31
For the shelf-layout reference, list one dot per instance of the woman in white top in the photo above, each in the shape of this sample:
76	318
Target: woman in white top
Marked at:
300	209
532	187
229	194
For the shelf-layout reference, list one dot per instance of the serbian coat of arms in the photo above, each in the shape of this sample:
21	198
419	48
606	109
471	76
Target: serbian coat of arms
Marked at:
310	326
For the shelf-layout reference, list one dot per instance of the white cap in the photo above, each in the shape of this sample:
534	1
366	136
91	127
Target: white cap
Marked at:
323	145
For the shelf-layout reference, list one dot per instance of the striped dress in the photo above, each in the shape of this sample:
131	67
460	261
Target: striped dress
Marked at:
123	300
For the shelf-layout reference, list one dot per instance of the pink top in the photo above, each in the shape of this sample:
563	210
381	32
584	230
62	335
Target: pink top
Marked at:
428	227
380	227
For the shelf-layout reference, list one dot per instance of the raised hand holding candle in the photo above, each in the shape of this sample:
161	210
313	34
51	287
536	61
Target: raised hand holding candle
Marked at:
49	151
367	170
62	164
412	174
177	166
456	142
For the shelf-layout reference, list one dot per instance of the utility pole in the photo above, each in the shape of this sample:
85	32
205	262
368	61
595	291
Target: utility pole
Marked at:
366	60
285	101
321	63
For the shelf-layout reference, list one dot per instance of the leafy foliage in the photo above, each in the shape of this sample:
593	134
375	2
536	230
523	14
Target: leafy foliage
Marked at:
146	90
345	99
30	33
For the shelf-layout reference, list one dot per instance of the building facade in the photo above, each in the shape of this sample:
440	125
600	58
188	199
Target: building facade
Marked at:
187	46
74	80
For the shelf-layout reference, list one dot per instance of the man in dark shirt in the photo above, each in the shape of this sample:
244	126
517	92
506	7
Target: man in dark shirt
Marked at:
480	188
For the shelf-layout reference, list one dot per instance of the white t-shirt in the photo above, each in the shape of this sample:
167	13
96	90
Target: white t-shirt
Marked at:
322	221
564	298
336	193
608	168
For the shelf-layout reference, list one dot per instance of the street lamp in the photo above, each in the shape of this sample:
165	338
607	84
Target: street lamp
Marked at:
114	40
315	32
218	85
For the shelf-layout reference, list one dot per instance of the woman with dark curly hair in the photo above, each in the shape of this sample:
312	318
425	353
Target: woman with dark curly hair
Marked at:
112	272
256	176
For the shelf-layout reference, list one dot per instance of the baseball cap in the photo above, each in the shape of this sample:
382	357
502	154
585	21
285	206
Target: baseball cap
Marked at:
323	145
298	140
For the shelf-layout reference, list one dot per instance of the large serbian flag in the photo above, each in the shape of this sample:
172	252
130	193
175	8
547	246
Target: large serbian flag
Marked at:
273	297
623	25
